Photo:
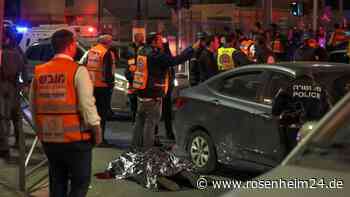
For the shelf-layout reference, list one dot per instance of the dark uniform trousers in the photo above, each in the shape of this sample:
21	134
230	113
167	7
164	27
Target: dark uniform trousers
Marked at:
69	162
9	104
102	96
147	119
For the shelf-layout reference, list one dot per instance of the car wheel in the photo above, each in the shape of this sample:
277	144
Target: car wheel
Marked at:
202	152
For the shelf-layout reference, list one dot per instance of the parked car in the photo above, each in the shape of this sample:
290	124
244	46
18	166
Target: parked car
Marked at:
318	166
228	119
41	52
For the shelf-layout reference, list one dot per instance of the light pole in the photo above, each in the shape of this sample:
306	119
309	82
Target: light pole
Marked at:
315	15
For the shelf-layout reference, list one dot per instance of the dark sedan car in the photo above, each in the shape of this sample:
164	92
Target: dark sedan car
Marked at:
228	118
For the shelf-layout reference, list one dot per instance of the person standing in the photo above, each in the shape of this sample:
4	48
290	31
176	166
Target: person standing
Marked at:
11	68
207	60
151	81
230	57
66	119
101	65
129	72
194	70
303	100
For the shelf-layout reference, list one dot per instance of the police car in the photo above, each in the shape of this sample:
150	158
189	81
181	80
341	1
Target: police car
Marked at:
318	167
228	119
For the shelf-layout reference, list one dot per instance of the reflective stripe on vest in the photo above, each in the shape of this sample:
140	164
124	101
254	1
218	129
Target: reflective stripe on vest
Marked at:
225	58
56	104
141	76
95	65
141	73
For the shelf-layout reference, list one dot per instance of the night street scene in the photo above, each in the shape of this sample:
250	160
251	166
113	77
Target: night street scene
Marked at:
175	98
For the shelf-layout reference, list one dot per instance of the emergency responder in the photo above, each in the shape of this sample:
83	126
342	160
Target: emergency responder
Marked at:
151	82
310	51
207	60
278	43
66	119
129	72
101	63
194	75
303	100
12	69
337	37
247	47
229	57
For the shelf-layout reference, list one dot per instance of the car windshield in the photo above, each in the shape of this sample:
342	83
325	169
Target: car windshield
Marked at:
334	153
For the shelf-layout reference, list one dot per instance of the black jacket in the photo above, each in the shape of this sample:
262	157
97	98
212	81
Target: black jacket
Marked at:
159	64
207	65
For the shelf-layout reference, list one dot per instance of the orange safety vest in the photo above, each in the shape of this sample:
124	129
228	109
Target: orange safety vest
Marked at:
141	75
95	65
277	46
132	69
56	104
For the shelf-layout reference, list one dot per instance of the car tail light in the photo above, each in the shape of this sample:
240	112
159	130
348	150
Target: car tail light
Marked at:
180	102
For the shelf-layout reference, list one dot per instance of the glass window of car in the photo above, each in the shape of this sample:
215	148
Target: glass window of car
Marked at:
276	82
33	52
245	86
46	52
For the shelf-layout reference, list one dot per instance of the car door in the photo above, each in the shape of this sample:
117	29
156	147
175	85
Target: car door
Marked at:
268	143
235	103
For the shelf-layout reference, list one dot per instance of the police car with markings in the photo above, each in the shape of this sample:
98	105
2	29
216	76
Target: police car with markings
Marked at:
228	119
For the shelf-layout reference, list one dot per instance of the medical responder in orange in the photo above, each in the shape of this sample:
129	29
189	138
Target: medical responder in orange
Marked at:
101	63
151	81
129	72
66	118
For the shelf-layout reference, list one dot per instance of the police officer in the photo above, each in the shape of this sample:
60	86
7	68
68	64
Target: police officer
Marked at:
101	63
303	100
66	118
229	57
151	81
11	69
129	72
194	74
310	51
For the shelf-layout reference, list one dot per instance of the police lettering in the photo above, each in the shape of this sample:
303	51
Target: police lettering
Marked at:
307	91
52	79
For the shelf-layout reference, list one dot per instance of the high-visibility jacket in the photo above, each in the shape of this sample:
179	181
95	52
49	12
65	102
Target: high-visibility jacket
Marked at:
225	58
277	46
96	66
56	104
246	48
141	76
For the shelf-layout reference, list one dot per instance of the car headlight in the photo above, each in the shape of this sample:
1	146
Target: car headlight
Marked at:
176	83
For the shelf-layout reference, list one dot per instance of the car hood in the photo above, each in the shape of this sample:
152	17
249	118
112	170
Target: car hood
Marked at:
295	174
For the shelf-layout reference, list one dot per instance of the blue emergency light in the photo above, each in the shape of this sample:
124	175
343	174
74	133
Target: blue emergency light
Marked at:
21	29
